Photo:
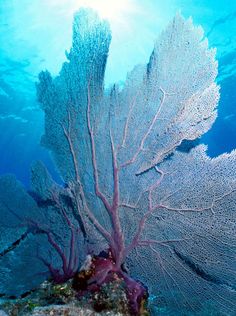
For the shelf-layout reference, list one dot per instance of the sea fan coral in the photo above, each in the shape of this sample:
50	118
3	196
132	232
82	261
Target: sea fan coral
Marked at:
133	193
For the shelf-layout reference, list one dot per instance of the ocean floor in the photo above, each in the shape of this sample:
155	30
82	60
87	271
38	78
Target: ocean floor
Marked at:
61	299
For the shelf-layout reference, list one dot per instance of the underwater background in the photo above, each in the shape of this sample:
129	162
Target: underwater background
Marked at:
34	35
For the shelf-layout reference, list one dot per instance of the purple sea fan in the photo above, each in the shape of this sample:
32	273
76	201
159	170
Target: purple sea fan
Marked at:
133	187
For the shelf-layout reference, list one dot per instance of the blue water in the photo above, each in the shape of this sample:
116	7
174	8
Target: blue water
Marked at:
35	34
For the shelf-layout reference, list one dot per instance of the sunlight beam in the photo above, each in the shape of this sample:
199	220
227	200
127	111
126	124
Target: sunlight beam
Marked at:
108	9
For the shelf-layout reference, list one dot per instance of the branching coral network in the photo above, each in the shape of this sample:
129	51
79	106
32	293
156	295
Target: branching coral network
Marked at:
134	194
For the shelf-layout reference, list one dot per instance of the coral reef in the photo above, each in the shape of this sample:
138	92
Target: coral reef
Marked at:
140	199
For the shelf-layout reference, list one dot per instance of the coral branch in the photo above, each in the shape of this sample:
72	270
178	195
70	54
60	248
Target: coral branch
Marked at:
70	142
94	161
125	131
141	146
